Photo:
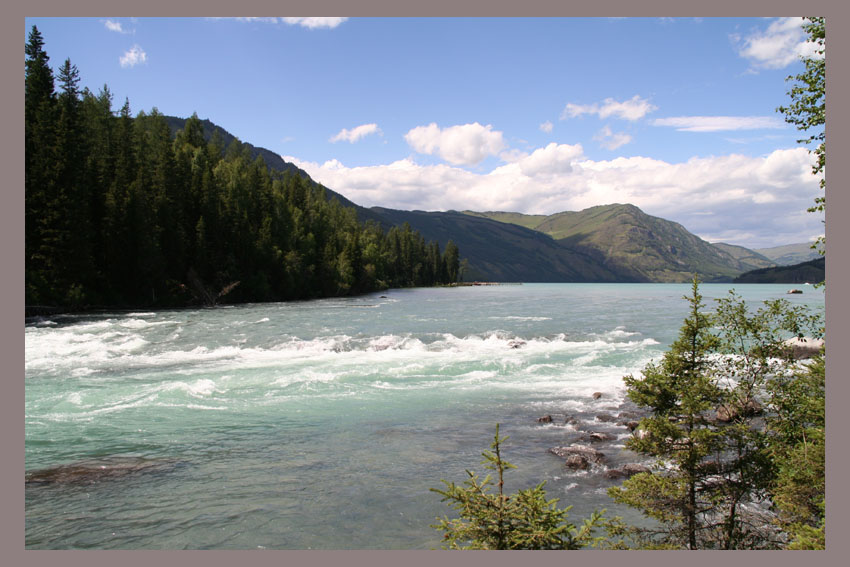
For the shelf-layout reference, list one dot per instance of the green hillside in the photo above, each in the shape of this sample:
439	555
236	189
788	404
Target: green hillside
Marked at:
746	256
640	247
498	251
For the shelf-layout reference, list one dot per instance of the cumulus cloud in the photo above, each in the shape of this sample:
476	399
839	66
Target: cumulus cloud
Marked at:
633	109
133	57
720	123
755	201
781	44
467	144
546	127
356	133
612	140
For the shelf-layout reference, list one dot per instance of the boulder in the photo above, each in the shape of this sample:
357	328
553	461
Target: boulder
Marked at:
516	343
597	395
805	347
727	413
576	462
599	436
606	418
545	419
626	471
589	453
635	468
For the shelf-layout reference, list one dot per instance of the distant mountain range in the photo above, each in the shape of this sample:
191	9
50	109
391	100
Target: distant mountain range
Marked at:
790	253
607	243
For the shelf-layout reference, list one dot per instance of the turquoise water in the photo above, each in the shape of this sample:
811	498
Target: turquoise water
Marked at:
323	424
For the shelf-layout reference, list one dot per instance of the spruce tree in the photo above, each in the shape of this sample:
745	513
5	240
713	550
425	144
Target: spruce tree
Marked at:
498	520
679	393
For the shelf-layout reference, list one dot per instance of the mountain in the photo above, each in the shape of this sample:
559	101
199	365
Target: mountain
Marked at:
608	243
812	271
746	256
638	246
790	254
497	251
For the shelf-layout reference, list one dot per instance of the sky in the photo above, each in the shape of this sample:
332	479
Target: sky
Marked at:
533	115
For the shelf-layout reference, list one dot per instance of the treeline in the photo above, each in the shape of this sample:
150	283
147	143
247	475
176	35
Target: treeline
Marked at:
812	271
120	212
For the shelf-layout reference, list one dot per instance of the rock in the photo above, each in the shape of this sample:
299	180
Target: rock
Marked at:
632	425
516	343
628	415
598	436
545	419
615	474
576	462
589	453
806	347
726	413
794	291
597	395
635	468
571	420
606	418
628	470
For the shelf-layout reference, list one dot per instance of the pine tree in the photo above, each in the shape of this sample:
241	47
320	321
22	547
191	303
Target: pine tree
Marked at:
679	392
524	520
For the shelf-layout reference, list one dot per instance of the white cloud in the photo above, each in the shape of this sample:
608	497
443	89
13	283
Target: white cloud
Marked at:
313	23
612	140
356	133
781	44
719	123
114	26
467	144
259	20
133	57
633	109
546	127
756	201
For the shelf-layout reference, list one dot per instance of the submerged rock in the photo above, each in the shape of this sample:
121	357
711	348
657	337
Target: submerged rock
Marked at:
597	395
596	436
516	343
89	472
606	418
545	419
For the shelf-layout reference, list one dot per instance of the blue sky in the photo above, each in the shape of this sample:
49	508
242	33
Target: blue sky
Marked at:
676	116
